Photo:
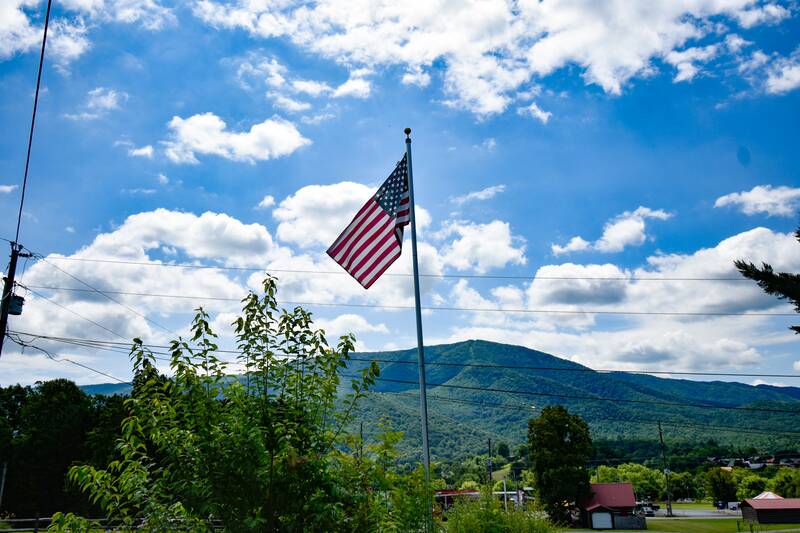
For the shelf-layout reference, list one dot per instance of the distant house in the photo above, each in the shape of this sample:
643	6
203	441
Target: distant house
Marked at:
771	510
611	506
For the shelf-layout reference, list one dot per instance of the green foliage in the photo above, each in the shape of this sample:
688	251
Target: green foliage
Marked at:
749	486
683	485
786	483
784	285
488	516
72	523
560	446
617	430
201	448
43	430
720	485
648	483
504	450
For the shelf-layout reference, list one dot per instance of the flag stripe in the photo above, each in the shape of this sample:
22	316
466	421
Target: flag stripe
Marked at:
365	260
361	212
374	220
373	240
380	269
357	225
381	225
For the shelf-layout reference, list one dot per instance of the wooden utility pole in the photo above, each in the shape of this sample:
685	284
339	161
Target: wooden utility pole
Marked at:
666	470
8	286
8	292
489	462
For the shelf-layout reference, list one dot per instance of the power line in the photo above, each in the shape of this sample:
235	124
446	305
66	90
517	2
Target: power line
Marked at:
94	342
589	398
74	312
593	419
24	344
444	308
394	274
519	407
507	391
582	369
33	119
98	291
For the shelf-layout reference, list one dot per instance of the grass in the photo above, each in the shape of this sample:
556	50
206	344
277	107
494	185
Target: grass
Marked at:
503	473
694	505
703	525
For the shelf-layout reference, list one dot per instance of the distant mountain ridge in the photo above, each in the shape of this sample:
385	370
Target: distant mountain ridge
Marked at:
615	404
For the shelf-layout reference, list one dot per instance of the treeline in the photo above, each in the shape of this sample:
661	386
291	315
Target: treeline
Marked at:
704	483
44	430
53	425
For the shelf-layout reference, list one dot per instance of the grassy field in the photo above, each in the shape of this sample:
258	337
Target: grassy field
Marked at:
693	505
704	525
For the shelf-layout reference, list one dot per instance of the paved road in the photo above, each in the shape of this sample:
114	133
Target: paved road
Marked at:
698	513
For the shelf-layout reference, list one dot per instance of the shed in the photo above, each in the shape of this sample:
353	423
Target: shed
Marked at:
767	495
611	506
771	510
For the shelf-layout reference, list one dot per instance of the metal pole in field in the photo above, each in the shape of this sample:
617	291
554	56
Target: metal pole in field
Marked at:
423	398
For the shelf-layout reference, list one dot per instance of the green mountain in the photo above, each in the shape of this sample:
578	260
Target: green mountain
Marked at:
618	406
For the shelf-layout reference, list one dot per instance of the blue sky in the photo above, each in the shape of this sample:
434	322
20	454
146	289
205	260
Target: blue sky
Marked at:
555	139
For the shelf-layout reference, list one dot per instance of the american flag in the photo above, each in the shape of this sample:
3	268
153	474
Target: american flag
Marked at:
374	239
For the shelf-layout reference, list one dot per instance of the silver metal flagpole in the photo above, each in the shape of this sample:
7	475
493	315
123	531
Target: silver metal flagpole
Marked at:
423	399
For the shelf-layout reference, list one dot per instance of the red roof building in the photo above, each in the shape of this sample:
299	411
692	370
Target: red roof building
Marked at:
771	511
611	506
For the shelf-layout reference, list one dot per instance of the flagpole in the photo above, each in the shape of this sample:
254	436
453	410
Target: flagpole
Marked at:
423	398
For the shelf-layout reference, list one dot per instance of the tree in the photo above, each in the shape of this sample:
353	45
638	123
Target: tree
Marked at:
784	285
51	423
503	450
201	449
786	483
647	482
721	485
560	447
749	486
682	485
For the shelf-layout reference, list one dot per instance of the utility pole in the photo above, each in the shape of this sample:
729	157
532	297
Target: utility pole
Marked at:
489	462
8	286
3	482
666	470
8	290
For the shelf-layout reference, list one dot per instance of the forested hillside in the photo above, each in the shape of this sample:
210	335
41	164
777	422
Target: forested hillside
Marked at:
466	406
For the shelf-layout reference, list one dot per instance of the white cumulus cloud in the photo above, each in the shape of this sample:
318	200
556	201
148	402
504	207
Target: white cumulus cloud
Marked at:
143	151
492	50
483	194
266	202
627	229
773	201
99	101
481	247
784	74
534	111
208	134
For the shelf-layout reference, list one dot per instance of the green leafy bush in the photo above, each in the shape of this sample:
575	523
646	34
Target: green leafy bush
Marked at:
488	515
203	449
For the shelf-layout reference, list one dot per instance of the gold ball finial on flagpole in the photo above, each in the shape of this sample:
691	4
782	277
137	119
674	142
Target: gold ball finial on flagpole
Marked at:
407	131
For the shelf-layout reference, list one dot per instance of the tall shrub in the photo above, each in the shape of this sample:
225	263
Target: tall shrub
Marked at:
204	449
